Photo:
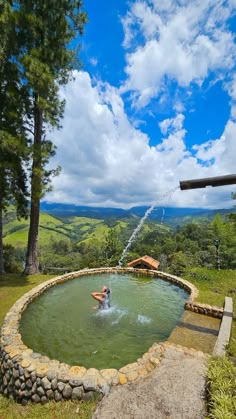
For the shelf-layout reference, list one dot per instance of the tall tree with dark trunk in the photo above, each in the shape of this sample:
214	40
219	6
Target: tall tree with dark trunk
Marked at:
13	141
45	32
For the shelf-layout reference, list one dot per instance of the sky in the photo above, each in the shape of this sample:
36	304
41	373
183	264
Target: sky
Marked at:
153	104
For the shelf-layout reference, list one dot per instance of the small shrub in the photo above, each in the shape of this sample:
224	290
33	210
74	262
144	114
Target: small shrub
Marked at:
221	380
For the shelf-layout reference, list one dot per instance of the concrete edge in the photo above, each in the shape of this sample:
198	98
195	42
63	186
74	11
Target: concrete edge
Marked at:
225	328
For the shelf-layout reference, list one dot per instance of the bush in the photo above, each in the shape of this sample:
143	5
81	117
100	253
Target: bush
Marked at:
221	389
180	261
13	259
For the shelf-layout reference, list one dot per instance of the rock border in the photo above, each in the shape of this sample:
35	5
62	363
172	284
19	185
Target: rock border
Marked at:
27	376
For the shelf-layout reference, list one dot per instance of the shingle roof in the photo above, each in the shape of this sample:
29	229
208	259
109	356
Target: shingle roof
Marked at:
146	260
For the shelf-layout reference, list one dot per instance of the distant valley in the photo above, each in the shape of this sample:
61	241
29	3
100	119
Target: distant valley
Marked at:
162	214
84	224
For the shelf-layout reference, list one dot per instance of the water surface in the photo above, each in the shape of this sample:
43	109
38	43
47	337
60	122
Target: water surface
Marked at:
62	324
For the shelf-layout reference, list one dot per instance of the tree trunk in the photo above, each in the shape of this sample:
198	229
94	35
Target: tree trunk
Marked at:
32	266
1	241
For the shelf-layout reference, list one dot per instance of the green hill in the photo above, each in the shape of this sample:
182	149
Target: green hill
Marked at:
75	229
75	242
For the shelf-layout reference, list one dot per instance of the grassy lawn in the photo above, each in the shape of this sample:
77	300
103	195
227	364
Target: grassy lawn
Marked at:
60	410
13	287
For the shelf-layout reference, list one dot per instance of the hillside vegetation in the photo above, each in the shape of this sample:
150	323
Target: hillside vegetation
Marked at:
75	242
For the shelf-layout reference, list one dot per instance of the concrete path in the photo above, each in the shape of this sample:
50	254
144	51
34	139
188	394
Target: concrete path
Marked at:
173	390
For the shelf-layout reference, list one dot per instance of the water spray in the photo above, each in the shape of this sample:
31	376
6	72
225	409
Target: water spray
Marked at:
163	213
140	224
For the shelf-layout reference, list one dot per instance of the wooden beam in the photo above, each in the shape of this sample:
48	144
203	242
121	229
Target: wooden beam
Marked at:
210	181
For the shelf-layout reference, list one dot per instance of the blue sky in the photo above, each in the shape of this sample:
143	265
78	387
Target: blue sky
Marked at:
154	103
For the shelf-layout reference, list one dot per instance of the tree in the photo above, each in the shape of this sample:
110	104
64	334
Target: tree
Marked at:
13	259
232	216
46	58
179	262
13	142
219	227
112	247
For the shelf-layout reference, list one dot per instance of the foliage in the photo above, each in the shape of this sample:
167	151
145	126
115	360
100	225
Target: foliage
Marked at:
13	259
12	173
221	388
96	244
112	247
59	264
36	58
192	244
180	261
13	141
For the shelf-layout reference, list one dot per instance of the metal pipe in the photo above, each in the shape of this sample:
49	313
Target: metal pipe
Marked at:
210	181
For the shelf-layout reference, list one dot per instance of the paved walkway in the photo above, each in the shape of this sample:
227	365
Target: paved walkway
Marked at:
173	390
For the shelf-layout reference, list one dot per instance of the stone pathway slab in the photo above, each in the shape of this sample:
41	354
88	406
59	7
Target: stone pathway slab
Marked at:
174	390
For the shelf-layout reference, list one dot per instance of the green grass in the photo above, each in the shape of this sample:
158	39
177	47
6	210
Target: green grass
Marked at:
10	227
49	219
84	220
45	236
221	381
12	287
49	227
85	228
121	225
97	235
213	287
52	410
19	238
99	232
16	232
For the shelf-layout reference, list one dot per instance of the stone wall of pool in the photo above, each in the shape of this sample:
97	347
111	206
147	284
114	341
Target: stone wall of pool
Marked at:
30	377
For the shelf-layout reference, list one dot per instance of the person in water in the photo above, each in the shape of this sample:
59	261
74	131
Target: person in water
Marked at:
103	297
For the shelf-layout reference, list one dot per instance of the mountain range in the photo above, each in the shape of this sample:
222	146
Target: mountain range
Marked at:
159	213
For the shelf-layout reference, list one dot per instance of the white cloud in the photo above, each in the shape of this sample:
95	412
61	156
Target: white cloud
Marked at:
231	89
170	124
182	41
94	61
106	161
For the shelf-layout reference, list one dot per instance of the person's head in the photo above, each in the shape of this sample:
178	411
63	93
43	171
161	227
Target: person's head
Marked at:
106	289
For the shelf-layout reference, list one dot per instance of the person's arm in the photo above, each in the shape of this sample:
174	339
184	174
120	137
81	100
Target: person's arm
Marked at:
98	296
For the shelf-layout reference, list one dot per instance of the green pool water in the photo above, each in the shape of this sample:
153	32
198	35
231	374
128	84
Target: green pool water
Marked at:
62	324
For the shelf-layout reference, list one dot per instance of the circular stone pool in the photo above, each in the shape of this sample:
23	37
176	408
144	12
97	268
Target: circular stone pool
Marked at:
62	324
